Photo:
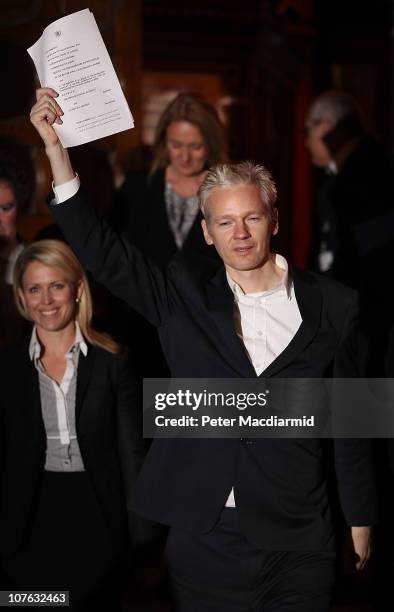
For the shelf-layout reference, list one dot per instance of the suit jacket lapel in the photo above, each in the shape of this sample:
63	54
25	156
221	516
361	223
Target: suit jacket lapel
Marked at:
221	307
85	365
309	302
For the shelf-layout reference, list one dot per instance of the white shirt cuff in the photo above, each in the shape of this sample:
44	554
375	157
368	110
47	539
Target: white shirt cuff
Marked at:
65	191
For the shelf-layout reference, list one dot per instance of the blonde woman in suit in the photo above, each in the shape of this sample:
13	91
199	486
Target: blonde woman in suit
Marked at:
71	443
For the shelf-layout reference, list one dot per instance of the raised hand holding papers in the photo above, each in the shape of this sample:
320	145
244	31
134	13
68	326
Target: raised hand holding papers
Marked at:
71	58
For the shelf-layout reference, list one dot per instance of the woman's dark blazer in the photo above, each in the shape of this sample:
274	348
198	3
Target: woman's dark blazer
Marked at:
108	422
140	213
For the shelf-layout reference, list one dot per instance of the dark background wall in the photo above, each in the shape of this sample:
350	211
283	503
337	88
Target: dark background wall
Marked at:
261	61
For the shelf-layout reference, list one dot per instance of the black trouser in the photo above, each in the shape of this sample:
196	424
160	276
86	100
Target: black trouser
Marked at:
222	571
69	547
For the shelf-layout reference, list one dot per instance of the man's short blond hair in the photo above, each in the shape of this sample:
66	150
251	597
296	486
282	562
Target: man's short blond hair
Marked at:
244	173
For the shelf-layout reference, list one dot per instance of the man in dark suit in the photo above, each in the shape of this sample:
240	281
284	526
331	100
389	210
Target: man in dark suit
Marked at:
250	519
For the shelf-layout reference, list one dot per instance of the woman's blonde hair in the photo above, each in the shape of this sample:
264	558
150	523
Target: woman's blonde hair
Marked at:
56	254
193	109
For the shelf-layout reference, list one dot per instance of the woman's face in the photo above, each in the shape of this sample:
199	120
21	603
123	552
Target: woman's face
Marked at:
49	299
186	148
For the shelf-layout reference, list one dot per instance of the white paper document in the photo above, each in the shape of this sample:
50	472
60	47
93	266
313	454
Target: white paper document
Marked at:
71	57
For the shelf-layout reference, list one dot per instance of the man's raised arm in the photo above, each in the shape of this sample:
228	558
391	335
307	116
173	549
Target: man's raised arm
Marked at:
112	260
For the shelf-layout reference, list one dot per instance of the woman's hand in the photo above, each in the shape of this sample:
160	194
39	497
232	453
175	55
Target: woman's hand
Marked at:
44	114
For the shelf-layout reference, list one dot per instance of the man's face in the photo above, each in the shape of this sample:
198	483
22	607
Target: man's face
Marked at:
8	207
238	226
315	130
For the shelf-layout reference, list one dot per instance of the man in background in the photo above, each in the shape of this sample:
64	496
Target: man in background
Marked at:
16	186
353	242
353	233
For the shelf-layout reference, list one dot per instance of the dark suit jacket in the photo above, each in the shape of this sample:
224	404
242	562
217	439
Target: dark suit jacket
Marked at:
108	429
280	484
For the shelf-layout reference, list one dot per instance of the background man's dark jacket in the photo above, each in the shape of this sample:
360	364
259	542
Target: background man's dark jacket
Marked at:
355	221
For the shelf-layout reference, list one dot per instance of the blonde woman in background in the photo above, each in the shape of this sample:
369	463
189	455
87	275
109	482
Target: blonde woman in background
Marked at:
158	209
71	443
